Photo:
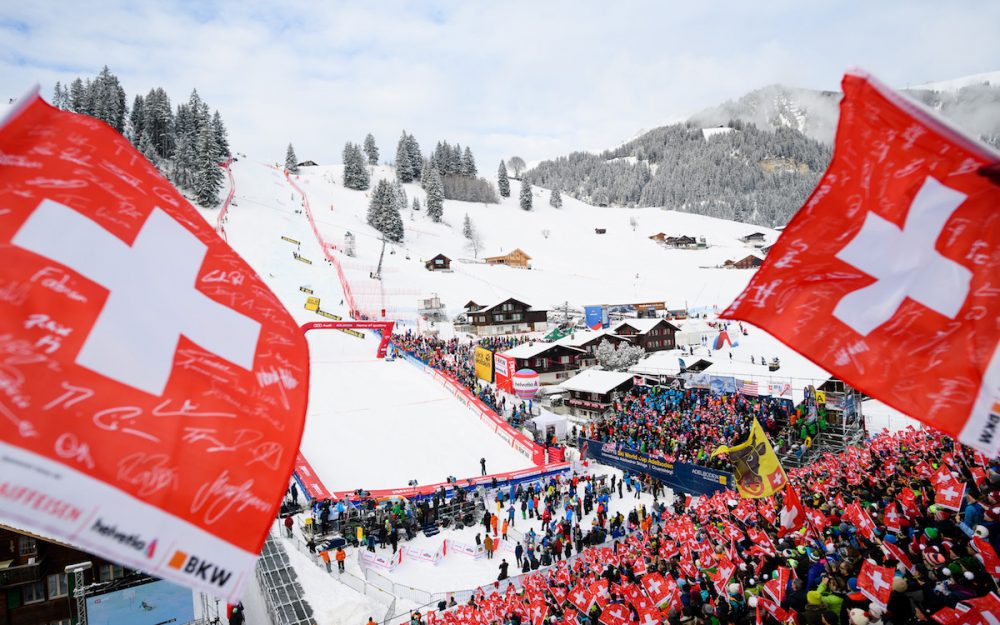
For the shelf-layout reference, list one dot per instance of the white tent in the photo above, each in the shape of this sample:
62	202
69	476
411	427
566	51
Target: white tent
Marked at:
547	419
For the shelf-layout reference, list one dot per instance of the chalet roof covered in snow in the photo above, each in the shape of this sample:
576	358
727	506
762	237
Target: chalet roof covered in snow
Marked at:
641	325
596	381
532	350
578	338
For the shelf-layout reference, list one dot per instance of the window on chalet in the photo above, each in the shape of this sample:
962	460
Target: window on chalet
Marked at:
497	317
507	306
58	585
539	362
516	317
33	593
26	546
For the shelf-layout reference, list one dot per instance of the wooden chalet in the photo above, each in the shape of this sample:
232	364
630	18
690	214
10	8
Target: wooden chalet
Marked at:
515	258
307	164
438	263
592	392
652	335
756	239
510	316
750	262
553	362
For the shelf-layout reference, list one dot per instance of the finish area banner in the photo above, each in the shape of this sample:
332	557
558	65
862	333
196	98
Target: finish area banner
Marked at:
152	389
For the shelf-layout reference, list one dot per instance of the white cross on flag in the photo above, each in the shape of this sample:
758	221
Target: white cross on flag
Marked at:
892	259
875	582
656	588
581	598
949	492
983	610
892	518
614	614
153	384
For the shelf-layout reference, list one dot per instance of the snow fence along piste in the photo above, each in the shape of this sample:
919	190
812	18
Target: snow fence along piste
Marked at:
325	248
310	484
219	227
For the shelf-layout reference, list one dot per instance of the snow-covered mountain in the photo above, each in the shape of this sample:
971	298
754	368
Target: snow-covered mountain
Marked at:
813	113
754	159
972	102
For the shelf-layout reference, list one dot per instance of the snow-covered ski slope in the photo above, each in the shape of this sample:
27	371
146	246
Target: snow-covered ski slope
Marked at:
570	261
370	424
376	424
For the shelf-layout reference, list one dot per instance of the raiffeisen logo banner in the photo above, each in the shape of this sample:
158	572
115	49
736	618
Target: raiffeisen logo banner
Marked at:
152	389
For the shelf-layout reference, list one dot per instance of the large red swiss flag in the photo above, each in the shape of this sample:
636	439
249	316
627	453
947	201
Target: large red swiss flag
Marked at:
152	389
888	275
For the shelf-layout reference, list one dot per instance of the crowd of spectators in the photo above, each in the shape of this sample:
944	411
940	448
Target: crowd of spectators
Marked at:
687	425
876	550
455	357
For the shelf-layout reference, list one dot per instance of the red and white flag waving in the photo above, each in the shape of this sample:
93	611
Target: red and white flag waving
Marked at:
949	491
891	260
154	389
793	513
875	582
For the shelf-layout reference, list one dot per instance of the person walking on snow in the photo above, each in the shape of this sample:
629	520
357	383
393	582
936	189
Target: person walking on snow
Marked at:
482	464
289	523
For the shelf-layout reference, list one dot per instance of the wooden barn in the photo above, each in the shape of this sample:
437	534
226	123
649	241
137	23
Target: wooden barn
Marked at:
750	262
438	263
516	258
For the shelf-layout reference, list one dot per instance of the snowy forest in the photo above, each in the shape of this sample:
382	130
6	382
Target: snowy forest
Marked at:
186	145
747	174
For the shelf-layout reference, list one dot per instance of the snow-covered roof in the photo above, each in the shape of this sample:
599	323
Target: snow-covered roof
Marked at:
663	362
579	337
596	381
642	325
530	350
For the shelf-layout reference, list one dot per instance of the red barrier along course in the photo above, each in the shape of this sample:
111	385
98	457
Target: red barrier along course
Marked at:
219	227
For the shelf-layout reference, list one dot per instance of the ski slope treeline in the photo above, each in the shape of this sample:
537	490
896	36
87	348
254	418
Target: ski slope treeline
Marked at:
187	146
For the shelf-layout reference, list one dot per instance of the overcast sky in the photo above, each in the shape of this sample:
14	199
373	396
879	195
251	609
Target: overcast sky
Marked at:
535	78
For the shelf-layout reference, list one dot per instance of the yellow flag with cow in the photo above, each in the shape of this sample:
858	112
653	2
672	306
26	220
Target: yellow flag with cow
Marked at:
756	467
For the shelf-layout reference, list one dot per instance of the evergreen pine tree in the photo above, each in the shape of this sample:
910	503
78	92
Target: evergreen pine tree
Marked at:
394	230
221	136
435	196
207	175
555	199
355	172
468	163
291	161
378	206
467	227
503	183
425	173
136	121
416	158
404	168
525	195
371	150
78	97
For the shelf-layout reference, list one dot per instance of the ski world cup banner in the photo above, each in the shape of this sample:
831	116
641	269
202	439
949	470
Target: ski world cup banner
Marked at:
504	368
756	467
152	389
893	259
483	361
